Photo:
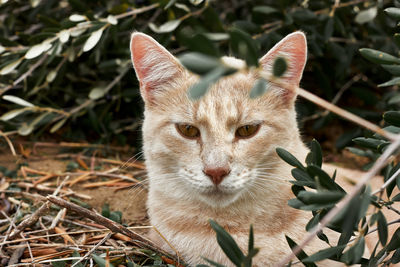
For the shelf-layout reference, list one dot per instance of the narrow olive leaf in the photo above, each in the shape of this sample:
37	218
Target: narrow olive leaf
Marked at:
295	203
289	158
366	15
324	254
2	49
393	12
382	228
394	81
378	57
396	39
17	100
394	100
393	69
396	198
10	67
196	2
199	63
12	114
93	39
396	257
112	20
97	93
228	244
166	27
200	88
51	76
320	197
37	50
25	129
316	153
64	36
368	142
77	18
354	254
101	262
301	255
280	66
395	241
266	10
244	46
392	117
260	87
251	238
76	254
322	178
58	125
301	175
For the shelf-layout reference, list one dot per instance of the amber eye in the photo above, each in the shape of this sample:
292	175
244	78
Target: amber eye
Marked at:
247	131
188	131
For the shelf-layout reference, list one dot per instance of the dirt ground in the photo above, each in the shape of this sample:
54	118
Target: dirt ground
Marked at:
130	201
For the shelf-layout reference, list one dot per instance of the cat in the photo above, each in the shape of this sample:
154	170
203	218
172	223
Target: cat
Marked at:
214	158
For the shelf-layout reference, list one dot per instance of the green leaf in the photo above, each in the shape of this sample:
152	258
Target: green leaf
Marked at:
244	46
11	66
394	81
393	69
105	210
93	39
382	228
322	178
366	15
301	255
228	244
266	10
79	202
199	63
200	88
368	142
315	155
17	100
395	241
392	117
396	198
101	262
289	158
320	197
396	257
260	87
354	254
379	57
295	203
394	100
213	263
76	254
58	263
12	114
169	26
324	254
280	66
393	12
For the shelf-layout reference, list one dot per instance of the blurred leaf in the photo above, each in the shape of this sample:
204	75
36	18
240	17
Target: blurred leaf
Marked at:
315	155
25	129
101	262
196	2
394	100
199	63
289	158
379	57
393	69
200	88
260	88
37	50
393	12
76	254
97	93
17	100
392	117
58	125
320	197
77	18
10	67
394	81
366	15
12	114
266	10
93	40
244	46
169	26
279	67
227	244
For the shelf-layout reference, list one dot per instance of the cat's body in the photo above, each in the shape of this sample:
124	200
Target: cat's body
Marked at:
219	174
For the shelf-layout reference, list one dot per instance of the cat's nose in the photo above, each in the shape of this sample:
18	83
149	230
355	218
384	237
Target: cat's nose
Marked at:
217	174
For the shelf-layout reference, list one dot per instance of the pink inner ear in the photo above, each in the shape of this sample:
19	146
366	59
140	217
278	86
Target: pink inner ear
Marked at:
294	48
139	47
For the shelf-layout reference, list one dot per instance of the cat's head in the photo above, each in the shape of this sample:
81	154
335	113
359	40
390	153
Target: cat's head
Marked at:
222	146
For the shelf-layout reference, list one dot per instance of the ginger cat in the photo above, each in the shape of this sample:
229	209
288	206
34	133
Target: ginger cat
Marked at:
214	158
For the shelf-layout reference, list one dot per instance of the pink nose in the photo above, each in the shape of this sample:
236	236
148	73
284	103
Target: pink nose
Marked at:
216	174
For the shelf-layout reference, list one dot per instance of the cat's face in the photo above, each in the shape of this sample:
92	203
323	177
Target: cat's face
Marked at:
221	146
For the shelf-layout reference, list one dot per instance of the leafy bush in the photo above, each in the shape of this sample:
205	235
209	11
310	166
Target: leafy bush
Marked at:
69	60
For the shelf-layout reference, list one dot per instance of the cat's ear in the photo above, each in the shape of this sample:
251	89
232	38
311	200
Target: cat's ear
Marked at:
155	67
294	49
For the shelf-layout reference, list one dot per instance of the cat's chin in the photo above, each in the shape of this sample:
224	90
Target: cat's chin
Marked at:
217	197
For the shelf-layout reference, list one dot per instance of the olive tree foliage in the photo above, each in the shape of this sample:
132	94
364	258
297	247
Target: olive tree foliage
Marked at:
65	71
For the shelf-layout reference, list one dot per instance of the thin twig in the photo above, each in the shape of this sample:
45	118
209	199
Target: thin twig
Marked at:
93	249
26	74
9	143
344	202
137	11
389	181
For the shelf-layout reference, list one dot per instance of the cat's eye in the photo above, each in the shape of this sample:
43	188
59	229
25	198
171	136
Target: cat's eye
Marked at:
188	131
247	131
